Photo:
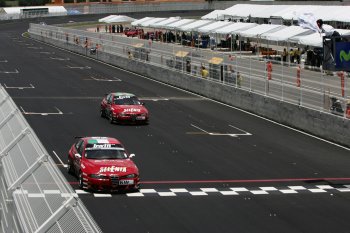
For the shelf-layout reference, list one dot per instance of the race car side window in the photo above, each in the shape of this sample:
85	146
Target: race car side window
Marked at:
109	98
80	146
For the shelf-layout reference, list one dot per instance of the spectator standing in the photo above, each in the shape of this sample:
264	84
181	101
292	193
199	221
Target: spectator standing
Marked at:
113	28
239	79
106	28
188	66
291	55
269	70
284	55
297	54
204	72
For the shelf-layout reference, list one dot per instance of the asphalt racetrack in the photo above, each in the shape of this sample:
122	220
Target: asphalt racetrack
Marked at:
205	167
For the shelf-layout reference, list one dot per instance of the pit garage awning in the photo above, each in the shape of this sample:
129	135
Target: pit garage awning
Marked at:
139	21
285	33
234	27
213	26
194	25
176	25
255	32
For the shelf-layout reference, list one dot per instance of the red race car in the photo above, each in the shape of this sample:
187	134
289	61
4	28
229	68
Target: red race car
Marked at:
123	107
103	164
133	32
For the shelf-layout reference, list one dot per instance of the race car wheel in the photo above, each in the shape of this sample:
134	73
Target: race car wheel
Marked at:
80	180
70	167
110	118
102	113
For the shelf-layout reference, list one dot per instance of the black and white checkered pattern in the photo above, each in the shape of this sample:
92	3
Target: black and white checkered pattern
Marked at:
232	191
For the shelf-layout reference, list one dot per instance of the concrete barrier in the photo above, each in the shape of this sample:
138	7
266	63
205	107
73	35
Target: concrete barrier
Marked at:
321	124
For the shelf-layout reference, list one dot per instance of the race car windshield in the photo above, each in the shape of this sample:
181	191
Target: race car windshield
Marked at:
106	154
126	100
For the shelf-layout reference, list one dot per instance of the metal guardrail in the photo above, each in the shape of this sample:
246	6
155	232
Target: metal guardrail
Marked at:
35	196
311	89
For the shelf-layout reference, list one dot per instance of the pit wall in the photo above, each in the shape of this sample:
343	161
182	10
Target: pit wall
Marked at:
323	125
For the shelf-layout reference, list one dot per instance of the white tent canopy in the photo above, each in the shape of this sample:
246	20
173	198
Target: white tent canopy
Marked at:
314	39
245	10
268	11
147	23
177	24
162	23
260	29
285	33
286	12
51	9
105	18
216	15
117	19
212	26
195	24
137	22
235	27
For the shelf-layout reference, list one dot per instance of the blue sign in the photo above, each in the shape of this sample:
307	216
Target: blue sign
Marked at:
342	56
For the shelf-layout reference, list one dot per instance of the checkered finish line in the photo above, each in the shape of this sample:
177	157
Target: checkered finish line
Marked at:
234	191
172	192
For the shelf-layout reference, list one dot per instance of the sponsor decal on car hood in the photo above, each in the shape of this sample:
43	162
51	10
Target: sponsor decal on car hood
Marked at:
131	109
113	166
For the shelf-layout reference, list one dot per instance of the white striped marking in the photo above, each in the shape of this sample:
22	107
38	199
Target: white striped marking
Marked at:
148	191
226	193
324	187
268	188
317	190
209	190
177	190
135	195
239	189
102	195
297	187
198	193
344	189
287	191
259	192
166	194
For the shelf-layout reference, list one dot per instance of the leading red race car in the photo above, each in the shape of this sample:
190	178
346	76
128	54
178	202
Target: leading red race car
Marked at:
103	164
123	107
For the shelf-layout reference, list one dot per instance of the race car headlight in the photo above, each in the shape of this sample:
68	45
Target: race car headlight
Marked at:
98	176
122	114
130	176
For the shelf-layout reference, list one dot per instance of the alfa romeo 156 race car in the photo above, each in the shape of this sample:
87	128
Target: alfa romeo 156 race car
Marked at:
123	107
103	164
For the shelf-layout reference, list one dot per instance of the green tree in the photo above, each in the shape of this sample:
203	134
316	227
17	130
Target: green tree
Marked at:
2	3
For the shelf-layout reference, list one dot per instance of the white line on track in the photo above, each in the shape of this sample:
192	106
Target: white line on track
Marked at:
215	101
64	165
20	88
41	113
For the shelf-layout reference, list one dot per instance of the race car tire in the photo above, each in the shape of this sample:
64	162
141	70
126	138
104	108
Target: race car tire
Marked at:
80	180
102	113
70	167
110	118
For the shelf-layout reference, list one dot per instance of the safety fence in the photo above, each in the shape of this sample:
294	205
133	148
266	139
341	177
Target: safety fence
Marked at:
292	84
35	196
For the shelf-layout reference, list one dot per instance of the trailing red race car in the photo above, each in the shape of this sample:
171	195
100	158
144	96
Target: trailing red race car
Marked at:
133	32
123	107
103	164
